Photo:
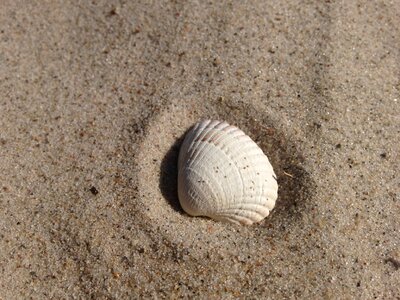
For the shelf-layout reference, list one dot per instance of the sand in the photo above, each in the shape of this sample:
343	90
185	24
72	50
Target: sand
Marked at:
95	98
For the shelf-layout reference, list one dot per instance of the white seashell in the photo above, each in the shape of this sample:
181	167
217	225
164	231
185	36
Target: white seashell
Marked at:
224	175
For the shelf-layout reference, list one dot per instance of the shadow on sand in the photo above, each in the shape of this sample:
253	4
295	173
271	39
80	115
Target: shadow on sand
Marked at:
168	182
295	184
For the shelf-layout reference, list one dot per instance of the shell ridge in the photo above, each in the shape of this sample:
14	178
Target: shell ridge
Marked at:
264	159
212	131
255	216
247	149
199	130
223	174
195	163
183	153
253	206
262	187
197	135
215	196
247	206
187	143
225	136
236	167
238	219
246	213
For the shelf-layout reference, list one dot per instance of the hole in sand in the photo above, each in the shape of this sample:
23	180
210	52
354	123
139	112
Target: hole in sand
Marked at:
157	179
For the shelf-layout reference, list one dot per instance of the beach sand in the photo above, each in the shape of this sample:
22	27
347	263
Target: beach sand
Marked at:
95	98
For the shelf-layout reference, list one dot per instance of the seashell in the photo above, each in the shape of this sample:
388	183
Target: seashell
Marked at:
224	175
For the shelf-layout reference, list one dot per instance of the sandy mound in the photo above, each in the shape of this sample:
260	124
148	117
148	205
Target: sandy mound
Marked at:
157	162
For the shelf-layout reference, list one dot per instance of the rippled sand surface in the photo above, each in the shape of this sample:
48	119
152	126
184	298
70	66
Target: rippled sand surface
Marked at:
95	98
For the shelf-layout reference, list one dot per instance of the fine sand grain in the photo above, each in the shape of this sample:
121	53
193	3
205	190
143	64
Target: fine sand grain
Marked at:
95	99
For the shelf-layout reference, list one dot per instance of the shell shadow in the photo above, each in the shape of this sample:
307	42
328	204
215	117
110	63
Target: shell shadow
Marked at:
168	182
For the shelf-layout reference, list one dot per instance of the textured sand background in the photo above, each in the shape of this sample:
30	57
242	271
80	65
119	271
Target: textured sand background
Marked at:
95	97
